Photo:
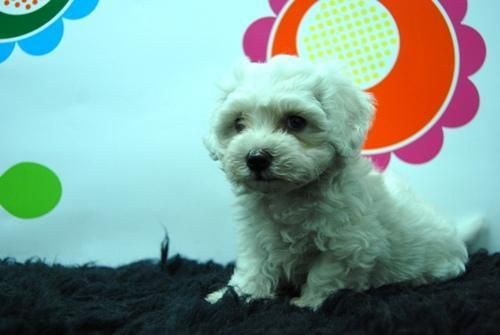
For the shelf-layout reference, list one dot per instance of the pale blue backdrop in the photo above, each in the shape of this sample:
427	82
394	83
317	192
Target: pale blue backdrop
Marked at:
119	110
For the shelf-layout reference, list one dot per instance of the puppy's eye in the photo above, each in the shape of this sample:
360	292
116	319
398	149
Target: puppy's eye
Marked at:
238	125
296	123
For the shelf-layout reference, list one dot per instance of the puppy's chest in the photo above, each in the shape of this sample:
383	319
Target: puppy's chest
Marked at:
294	229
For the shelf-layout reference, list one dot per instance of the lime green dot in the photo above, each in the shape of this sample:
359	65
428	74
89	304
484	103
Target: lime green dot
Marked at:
29	190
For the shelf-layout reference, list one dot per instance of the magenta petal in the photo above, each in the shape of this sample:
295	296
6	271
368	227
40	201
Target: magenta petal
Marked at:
423	149
455	9
277	5
380	161
472	50
256	38
463	106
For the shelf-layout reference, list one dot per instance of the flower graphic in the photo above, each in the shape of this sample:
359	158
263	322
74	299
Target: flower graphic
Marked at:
415	57
37	25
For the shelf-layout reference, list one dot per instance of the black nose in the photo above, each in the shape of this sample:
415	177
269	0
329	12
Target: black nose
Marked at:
259	160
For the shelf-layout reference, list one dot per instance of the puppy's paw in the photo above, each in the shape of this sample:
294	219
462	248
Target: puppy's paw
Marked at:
216	295
307	302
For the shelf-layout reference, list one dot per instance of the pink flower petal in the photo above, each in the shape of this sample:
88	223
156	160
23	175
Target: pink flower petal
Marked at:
277	5
472	50
463	106
380	161
256	38
423	149
455	9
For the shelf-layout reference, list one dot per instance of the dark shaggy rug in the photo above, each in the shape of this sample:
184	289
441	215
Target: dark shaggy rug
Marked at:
166	297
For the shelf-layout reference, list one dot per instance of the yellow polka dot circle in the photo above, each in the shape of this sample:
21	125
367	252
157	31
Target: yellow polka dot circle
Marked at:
361	35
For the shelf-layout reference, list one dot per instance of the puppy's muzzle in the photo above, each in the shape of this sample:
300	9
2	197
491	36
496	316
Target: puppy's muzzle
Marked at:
259	160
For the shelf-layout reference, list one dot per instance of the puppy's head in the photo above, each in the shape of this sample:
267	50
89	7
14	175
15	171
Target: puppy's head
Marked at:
280	125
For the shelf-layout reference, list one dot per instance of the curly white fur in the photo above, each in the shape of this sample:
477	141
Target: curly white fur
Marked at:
321	217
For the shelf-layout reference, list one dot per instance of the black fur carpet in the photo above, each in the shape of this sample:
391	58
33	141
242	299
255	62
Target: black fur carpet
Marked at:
166	297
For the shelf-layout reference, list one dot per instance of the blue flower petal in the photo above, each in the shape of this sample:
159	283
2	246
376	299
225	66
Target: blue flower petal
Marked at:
6	50
45	41
80	8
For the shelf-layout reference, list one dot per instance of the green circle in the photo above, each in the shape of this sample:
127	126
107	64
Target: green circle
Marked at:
29	190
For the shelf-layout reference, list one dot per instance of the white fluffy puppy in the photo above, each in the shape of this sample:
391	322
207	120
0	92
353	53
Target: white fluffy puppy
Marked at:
316	214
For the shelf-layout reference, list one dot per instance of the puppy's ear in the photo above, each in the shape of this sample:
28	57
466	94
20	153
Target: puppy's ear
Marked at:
359	107
226	87
349	108
211	145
